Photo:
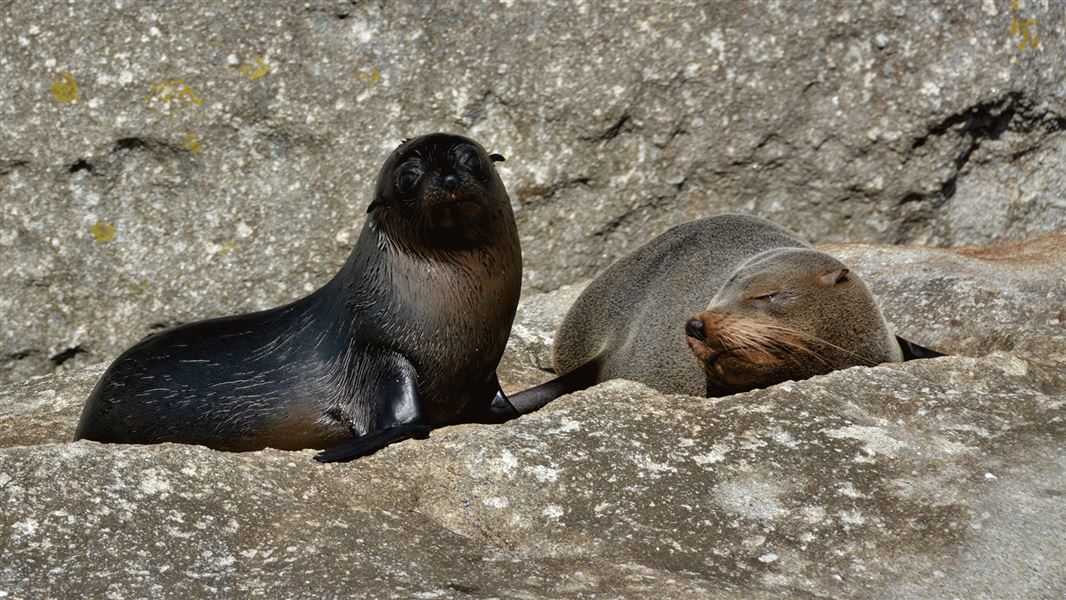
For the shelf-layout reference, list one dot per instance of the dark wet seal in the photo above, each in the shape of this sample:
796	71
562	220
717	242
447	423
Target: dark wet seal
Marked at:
405	338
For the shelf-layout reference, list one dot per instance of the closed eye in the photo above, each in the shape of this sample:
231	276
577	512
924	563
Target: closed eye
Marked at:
777	297
466	157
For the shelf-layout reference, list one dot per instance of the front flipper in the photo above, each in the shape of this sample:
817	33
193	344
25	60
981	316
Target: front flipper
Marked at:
497	410
372	442
394	388
537	397
912	351
500	409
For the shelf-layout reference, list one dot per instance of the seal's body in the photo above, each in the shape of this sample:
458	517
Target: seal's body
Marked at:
637	320
406	337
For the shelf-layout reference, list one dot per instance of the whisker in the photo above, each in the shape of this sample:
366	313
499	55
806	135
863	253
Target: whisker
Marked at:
808	336
752	335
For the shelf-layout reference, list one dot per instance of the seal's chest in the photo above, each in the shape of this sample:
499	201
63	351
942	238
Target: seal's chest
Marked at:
470	294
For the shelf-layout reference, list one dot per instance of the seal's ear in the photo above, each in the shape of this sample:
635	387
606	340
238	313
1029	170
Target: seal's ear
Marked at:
496	157
912	351
835	277
376	203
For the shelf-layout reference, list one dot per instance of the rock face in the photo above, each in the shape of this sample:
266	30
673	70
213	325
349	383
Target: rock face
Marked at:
929	479
942	479
169	162
163	163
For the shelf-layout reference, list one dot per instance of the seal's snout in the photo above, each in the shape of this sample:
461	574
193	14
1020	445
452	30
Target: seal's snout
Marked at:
700	336
450	182
694	329
707	333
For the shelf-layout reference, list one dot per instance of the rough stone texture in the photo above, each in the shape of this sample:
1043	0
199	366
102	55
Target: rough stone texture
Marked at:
942	478
166	162
937	479
46	409
975	300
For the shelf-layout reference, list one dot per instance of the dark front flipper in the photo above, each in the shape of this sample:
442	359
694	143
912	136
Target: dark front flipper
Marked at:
580	378
372	442
500	409
394	388
912	351
497	410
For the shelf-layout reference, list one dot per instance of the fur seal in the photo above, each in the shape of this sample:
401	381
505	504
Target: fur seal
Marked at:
755	303
406	337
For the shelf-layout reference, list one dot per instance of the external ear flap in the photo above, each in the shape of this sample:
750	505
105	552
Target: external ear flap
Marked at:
835	277
496	157
376	203
912	351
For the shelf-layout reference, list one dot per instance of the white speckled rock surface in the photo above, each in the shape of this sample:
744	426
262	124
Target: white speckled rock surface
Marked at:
168	162
938	477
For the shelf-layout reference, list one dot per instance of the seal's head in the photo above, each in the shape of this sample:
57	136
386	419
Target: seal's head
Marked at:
441	191
788	313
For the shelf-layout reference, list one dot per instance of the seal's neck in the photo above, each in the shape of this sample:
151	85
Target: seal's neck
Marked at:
383	269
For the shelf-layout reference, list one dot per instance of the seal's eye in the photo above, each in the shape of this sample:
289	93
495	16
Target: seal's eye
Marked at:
467	158
767	297
408	178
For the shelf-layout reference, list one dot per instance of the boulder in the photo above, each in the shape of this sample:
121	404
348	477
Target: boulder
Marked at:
941	478
163	163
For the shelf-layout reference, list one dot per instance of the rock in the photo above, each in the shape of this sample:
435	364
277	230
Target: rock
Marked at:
927	479
45	409
972	300
539	317
163	163
174	162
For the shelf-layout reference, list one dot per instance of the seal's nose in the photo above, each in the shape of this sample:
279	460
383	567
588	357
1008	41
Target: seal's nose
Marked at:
694	329
450	182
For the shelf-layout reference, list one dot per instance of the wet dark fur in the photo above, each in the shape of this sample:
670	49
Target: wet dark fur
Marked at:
406	337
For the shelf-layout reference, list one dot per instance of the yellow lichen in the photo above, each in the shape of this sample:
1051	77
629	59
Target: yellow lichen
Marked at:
226	248
191	141
139	288
103	232
257	70
1021	28
369	78
172	92
65	87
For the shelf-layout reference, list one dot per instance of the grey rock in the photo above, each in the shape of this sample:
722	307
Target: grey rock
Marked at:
217	157
535	324
975	300
45	409
929	479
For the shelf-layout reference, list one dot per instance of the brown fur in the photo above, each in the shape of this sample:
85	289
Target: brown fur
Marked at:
788	314
628	323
